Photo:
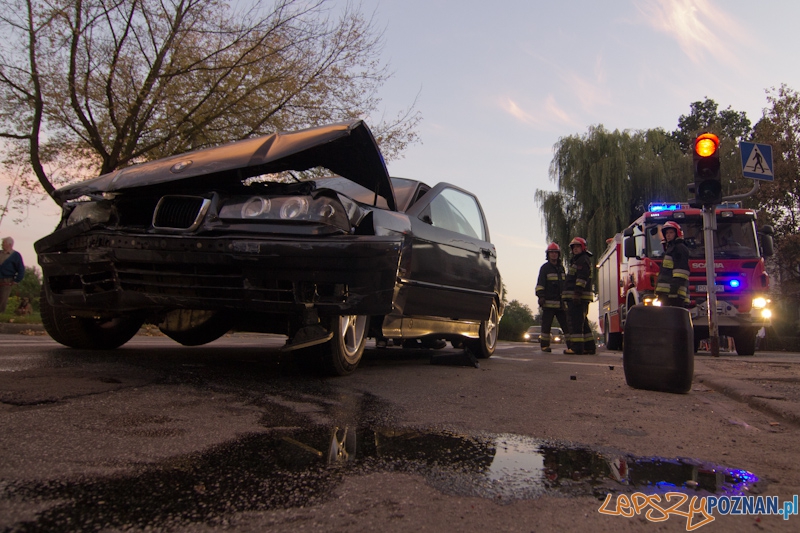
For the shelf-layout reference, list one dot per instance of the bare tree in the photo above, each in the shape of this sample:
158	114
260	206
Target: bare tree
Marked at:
89	86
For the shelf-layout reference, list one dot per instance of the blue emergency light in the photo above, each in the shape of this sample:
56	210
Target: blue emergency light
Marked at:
658	208
734	283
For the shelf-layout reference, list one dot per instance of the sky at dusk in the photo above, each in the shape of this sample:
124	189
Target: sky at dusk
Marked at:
498	83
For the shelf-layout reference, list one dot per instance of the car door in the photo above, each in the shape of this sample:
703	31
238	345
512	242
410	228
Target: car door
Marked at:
453	268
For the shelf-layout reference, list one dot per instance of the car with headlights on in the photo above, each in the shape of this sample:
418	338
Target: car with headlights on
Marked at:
300	233
534	333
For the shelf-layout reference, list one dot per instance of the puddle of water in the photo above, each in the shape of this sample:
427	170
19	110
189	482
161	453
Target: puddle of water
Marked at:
290	468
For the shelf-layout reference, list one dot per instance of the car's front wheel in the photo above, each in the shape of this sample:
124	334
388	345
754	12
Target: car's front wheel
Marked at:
87	333
341	355
484	345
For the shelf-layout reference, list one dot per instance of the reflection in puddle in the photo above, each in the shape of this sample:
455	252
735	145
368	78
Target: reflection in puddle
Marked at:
285	469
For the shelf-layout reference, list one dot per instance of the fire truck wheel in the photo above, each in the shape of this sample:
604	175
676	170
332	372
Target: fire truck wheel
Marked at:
745	341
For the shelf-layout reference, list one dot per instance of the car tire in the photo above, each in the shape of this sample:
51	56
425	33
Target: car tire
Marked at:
483	347
87	333
217	325
342	354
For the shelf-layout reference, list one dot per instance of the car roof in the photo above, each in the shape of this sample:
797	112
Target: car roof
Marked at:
347	149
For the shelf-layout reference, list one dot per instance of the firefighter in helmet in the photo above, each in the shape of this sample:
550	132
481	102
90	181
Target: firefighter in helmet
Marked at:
672	287
548	290
578	295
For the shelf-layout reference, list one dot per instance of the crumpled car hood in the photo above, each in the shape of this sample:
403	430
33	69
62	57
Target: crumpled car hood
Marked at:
347	149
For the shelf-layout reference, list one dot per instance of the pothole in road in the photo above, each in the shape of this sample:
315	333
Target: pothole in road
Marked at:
291	468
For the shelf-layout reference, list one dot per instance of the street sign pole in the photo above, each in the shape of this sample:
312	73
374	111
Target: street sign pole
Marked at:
709	227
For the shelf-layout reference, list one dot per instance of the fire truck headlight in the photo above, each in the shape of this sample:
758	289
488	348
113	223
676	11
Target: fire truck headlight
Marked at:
759	303
766	313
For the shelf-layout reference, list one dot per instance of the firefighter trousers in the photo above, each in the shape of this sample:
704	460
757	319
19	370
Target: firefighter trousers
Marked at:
581	333
548	314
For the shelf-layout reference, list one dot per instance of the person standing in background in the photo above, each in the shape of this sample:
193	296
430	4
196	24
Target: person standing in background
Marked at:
12	270
578	295
548	291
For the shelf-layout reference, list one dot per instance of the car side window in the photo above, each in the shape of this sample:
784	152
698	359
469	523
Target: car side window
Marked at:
455	211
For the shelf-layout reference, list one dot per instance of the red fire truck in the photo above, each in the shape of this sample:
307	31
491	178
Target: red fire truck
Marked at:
628	269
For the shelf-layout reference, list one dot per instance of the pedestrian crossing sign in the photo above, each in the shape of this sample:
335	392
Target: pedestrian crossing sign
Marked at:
756	161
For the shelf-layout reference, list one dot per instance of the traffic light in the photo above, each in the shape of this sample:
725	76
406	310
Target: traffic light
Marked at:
707	184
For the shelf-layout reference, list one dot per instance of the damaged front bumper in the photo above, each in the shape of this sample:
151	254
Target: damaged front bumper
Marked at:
102	272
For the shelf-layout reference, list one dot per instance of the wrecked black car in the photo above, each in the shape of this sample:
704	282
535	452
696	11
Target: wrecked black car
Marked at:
248	237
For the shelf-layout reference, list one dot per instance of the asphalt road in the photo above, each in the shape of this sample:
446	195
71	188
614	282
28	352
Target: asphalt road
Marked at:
231	436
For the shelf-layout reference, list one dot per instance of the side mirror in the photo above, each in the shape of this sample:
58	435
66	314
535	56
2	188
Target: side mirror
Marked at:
767	246
767	230
630	247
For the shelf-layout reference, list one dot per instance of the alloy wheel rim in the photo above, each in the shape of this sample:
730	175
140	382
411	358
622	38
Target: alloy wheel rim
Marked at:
491	328
352	329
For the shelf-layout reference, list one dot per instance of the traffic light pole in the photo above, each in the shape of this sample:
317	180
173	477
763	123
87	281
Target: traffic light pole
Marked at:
709	227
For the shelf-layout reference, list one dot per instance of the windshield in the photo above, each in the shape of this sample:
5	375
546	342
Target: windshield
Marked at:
733	239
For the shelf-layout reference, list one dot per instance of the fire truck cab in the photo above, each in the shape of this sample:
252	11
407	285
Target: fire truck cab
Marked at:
628	272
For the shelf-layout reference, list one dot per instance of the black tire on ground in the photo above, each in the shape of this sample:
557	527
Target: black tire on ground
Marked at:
658	349
87	333
745	340
212	328
341	355
613	340
483	347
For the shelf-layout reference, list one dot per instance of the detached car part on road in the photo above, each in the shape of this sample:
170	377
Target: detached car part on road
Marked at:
229	238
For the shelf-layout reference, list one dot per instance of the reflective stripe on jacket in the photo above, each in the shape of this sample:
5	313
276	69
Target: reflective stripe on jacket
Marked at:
550	284
579	279
673	277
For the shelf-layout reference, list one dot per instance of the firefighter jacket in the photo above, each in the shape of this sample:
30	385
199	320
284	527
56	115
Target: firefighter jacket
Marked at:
578	285
673	278
550	284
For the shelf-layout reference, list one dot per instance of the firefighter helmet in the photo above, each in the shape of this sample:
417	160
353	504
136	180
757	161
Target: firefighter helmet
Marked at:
672	225
552	247
579	241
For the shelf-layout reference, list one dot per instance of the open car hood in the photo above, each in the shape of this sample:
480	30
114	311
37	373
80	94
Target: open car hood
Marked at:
347	149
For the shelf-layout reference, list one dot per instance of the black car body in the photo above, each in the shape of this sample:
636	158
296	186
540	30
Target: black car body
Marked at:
205	242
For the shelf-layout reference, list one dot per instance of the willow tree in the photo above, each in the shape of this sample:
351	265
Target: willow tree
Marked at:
89	86
606	179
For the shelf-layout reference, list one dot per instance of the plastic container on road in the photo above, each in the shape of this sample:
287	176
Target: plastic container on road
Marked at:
658	352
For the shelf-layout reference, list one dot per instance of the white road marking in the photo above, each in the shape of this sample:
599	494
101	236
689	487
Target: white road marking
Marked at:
579	363
510	358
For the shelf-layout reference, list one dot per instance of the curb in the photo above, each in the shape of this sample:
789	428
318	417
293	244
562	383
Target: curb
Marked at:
752	395
7	328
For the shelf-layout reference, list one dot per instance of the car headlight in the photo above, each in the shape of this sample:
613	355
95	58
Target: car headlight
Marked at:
766	313
759	302
294	207
255	207
526	336
96	212
322	209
